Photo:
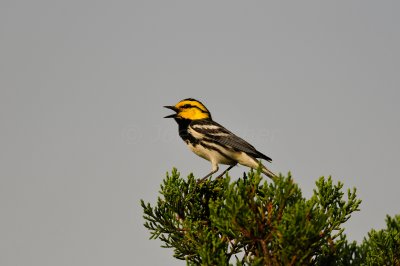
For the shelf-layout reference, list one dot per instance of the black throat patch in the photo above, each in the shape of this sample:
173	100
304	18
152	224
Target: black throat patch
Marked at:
184	133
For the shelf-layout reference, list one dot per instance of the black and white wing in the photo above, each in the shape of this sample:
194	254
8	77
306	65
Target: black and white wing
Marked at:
211	131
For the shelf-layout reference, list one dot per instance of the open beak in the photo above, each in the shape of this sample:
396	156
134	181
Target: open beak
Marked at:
173	108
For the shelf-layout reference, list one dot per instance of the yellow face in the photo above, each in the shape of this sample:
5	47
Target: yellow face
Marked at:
190	109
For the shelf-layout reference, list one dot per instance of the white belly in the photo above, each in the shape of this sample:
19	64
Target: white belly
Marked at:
210	155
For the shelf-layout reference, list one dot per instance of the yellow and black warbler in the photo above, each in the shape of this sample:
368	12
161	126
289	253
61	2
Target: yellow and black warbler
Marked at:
213	142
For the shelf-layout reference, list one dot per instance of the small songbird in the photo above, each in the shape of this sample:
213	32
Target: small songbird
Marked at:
213	142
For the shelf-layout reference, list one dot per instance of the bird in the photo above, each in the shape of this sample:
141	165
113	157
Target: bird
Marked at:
213	142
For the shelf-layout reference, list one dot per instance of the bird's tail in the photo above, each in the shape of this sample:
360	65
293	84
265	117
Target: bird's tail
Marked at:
268	173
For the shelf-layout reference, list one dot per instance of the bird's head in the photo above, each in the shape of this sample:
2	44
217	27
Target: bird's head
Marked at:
189	109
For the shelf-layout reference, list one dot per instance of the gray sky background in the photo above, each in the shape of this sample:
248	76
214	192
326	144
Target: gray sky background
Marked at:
313	85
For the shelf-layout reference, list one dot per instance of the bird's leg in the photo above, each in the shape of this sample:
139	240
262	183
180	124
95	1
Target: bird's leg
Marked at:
214	170
227	169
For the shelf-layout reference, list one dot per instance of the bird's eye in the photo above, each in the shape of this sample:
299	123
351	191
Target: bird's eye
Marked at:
186	106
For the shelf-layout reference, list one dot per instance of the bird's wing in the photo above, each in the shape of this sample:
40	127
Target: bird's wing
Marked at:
214	132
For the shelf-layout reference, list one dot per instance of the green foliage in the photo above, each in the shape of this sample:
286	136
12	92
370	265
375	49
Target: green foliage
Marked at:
383	247
253	222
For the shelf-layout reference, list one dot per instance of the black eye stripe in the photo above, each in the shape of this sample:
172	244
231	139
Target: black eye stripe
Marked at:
200	109
187	106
